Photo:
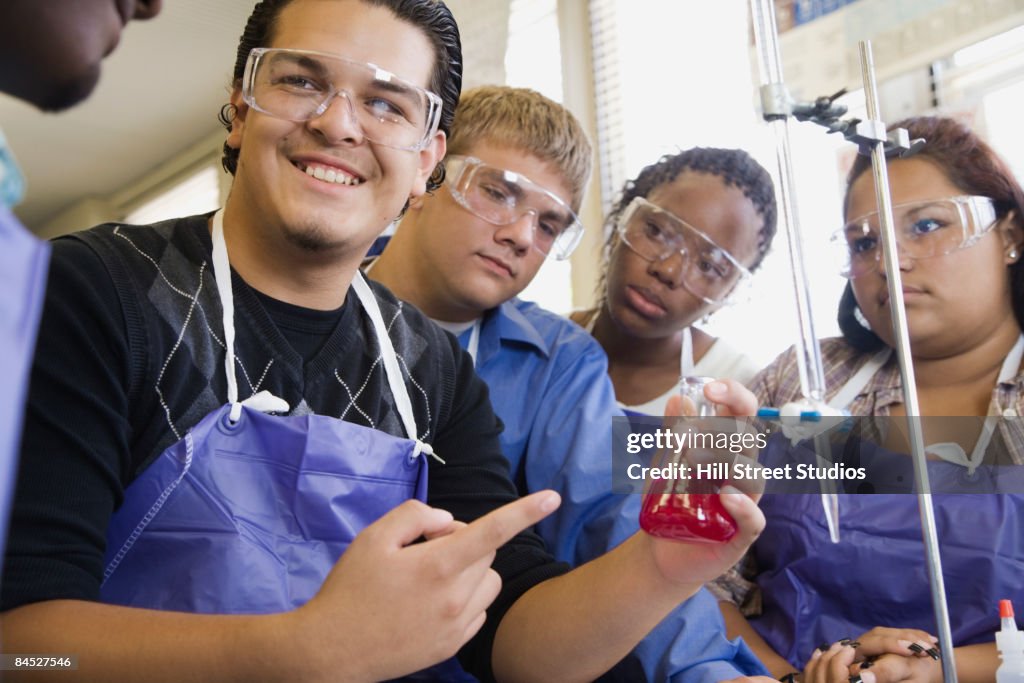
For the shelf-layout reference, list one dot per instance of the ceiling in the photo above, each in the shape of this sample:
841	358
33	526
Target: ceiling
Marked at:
159	95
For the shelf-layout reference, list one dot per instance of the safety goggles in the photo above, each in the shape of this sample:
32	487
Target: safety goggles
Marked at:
924	229
299	85
502	197
708	271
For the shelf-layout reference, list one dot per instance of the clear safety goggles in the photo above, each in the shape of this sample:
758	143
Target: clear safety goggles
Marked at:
708	271
299	85
923	230
502	197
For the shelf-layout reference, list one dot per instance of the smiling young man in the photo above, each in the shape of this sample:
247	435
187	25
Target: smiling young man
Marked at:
518	164
161	533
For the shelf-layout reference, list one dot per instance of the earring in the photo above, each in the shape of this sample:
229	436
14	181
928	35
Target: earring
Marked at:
1012	254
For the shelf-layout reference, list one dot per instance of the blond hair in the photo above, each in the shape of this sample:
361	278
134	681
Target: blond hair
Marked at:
523	119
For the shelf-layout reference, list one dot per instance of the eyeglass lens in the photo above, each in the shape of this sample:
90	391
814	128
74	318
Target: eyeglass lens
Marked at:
923	230
502	198
299	86
707	269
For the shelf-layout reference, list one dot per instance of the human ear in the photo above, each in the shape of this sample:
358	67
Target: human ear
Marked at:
428	159
1012	236
234	139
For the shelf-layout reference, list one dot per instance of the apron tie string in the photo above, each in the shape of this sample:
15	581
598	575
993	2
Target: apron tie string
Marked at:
426	449
264	401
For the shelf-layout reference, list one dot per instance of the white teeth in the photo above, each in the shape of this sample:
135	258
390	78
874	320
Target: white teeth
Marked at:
330	175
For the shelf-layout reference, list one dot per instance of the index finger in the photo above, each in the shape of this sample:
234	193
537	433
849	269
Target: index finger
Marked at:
495	529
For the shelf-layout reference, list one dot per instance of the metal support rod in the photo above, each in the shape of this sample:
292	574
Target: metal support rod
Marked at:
808	353
812	374
899	324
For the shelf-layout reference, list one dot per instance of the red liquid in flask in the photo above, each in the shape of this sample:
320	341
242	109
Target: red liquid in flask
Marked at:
695	515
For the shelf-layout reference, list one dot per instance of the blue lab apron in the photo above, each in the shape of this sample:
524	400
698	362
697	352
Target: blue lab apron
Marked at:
249	512
23	266
816	591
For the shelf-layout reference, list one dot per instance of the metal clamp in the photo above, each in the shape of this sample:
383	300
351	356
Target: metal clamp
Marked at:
776	103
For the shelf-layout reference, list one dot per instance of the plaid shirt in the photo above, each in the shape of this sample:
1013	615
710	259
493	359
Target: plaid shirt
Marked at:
779	384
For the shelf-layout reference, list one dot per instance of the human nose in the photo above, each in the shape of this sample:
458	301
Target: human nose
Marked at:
904	261
338	122
669	268
147	9
519	233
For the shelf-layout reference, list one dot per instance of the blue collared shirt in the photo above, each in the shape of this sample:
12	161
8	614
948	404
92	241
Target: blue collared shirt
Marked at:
549	384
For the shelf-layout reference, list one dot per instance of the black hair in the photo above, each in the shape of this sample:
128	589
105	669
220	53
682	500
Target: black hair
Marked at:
975	169
735	167
431	16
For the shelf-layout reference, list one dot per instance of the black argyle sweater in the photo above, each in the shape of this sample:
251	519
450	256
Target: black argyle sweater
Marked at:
164	280
131	355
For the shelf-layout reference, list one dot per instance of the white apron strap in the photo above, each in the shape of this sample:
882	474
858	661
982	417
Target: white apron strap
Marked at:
1011	366
263	401
222	275
849	391
686	364
391	368
953	452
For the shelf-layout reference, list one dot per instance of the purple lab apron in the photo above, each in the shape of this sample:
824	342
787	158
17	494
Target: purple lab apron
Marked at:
23	266
249	512
249	517
816	591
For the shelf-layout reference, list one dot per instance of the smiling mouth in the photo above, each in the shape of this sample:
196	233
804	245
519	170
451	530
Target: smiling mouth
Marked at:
328	174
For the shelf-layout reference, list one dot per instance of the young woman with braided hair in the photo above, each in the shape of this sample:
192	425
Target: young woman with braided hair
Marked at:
684	237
